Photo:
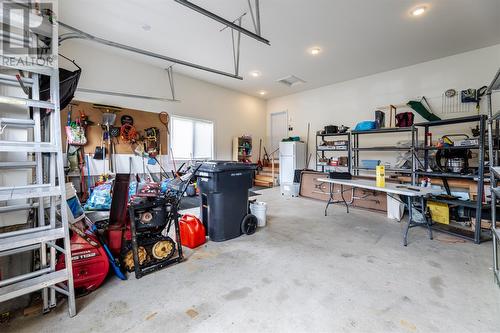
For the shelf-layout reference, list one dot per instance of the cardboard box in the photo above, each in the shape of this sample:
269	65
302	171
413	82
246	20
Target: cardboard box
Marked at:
485	224
310	187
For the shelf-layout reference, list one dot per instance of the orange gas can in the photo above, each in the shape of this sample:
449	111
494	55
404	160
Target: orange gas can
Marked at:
192	231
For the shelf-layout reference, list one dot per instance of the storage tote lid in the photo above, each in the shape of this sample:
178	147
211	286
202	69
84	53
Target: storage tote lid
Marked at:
221	166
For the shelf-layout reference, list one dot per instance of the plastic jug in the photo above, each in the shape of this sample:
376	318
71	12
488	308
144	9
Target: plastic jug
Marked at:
192	231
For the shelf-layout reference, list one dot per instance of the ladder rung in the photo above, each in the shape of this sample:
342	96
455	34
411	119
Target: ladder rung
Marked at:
26	102
30	239
15	208
29	147
31	285
13	122
24	231
26	276
19	250
10	62
11	80
18	165
28	191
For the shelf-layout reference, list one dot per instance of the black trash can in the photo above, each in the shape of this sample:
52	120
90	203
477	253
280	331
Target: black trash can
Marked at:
224	189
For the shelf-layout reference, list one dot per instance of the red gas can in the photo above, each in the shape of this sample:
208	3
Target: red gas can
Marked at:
192	231
90	264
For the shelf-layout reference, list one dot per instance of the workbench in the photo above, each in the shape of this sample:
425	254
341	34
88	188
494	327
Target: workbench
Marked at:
410	192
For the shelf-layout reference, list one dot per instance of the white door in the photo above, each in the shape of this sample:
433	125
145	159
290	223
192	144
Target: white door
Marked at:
279	129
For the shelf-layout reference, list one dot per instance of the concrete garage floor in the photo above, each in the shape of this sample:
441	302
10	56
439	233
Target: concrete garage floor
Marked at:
302	272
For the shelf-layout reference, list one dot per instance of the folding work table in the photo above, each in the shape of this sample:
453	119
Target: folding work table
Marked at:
411	192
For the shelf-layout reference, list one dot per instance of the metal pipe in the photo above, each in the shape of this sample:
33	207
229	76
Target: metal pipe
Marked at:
57	247
60	290
223	20
83	35
253	17
480	182
112	93
170	73
257	14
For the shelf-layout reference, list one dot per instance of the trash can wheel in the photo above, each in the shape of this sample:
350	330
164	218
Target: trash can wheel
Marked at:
249	224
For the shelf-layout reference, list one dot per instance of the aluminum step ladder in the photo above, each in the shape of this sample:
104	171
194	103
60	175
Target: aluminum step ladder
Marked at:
494	141
49	235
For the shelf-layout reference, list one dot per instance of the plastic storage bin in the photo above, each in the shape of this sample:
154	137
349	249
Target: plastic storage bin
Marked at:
291	189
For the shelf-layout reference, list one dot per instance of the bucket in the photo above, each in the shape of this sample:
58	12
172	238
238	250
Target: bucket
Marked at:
259	210
74	208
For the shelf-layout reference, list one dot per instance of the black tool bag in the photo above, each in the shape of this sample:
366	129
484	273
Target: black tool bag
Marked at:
340	175
404	119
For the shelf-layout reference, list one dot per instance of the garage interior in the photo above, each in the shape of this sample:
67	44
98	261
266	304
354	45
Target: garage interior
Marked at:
243	166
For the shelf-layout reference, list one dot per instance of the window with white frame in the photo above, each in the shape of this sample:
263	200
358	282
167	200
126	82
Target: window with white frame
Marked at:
192	138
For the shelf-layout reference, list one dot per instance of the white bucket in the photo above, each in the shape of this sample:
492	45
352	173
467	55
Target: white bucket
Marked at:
259	210
73	207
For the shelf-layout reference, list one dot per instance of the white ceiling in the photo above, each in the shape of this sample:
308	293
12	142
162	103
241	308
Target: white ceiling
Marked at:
357	37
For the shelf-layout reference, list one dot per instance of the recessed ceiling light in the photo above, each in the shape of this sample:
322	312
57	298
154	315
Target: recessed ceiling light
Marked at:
262	92
146	27
315	51
255	73
418	11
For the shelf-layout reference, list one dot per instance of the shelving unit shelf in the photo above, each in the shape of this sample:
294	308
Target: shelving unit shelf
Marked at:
477	235
325	151
382	131
242	148
493	122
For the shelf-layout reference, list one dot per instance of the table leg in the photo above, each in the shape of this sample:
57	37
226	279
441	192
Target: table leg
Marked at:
342	195
330	199
427	220
405	238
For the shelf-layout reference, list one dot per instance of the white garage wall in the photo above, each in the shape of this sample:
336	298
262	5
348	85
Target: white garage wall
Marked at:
232	112
356	100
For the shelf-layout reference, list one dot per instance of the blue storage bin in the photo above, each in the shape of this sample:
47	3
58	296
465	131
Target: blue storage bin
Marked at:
370	164
366	125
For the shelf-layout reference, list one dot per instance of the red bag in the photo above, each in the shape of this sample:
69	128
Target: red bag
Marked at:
404	119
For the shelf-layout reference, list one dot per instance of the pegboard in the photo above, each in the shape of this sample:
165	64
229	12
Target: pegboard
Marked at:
94	133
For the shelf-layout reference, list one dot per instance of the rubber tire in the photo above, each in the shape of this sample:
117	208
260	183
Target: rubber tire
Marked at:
249	224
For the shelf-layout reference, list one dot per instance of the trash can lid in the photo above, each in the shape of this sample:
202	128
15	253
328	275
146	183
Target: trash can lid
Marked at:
220	166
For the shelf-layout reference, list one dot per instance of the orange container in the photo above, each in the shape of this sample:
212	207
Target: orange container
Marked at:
192	231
